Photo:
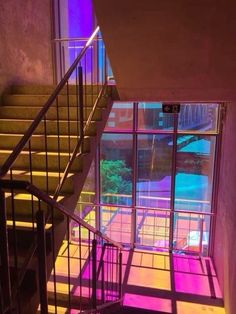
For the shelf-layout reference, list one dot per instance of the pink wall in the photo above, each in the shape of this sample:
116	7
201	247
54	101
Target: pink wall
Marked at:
25	54
171	50
225	238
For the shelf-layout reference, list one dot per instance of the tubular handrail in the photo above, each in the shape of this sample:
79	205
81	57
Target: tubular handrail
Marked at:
64	39
21	144
24	185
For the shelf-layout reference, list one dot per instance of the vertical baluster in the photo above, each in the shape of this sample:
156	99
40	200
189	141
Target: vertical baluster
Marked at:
31	180
68	261
92	69
120	274
112	272
4	253
30	162
68	117
54	260
58	141
63	58
105	67
89	262
94	273
117	273
77	100
81	105
97	66
46	152
102	277
85	79
42	265
80	265
15	245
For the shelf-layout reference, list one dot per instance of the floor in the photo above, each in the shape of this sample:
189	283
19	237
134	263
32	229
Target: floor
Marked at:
153	280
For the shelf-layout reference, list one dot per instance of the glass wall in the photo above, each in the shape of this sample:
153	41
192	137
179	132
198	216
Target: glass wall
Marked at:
154	162
157	173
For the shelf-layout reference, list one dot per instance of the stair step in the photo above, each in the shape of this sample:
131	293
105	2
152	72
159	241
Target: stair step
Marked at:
39	160
9	141
40	100
24	204
25	225
48	89
60	310
64	113
17	126
40	181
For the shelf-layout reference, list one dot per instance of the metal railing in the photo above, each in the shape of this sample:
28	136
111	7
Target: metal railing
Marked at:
38	173
191	228
68	49
89	274
62	126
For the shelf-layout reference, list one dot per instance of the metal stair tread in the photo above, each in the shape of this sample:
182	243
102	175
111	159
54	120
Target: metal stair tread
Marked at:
52	174
48	120
29	197
25	225
72	136
39	153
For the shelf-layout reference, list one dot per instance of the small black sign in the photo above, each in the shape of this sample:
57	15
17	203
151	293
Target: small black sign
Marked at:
171	108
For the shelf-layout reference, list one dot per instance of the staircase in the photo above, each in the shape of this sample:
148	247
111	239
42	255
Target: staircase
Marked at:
48	138
19	109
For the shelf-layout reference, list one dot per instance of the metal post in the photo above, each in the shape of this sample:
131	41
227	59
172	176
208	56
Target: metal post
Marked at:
81	104
102	282
94	273
173	174
201	221
42	265
120	275
4	253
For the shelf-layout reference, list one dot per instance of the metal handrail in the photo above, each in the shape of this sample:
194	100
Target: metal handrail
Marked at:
24	185
21	144
56	40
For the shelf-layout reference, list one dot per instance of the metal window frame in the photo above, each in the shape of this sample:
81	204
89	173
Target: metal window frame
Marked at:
134	132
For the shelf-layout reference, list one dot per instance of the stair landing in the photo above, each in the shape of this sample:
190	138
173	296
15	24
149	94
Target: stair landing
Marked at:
157	282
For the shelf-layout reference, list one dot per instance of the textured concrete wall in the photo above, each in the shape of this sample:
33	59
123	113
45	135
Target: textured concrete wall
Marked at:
25	42
171	50
225	237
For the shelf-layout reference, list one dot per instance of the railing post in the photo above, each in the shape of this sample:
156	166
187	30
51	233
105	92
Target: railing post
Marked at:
42	266
94	273
81	103
120	274
4	253
201	222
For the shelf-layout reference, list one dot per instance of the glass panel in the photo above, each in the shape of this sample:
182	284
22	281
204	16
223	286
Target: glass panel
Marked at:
153	228
194	172
191	232
116	169
198	117
154	171
151	117
116	223
121	116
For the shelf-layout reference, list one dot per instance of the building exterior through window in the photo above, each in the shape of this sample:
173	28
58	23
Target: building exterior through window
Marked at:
155	177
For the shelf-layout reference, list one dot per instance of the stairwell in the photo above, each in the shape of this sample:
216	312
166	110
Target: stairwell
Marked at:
19	109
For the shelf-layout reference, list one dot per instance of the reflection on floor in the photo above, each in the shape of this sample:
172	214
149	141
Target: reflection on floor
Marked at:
160	282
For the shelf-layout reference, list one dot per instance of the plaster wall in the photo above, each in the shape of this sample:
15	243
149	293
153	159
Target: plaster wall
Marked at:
25	42
171	50
225	236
